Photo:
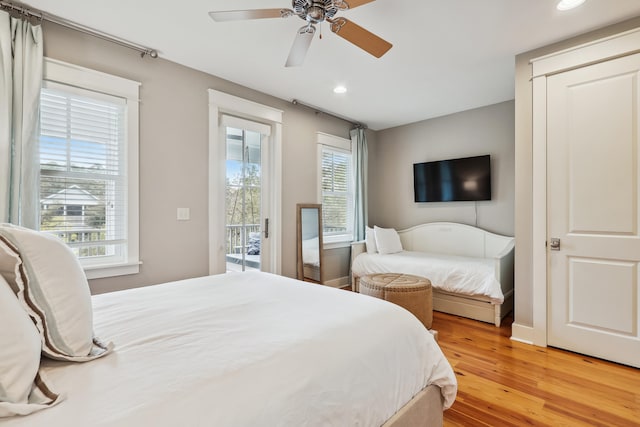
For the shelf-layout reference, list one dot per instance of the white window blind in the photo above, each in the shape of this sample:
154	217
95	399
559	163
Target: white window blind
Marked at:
337	192
83	173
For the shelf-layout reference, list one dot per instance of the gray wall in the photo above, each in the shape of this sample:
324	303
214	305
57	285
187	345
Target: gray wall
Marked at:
174	158
524	172
486	130
174	152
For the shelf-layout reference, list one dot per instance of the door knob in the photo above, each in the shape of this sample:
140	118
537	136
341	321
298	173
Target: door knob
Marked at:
554	244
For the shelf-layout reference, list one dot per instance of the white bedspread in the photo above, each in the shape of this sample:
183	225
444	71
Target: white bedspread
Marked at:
457	274
246	349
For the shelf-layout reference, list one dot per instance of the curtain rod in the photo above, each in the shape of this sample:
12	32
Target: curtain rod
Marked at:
28	12
318	110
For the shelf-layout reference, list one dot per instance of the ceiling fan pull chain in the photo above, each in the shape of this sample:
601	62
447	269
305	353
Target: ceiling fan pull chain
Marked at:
320	25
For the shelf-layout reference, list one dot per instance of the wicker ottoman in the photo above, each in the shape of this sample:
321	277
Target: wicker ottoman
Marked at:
410	292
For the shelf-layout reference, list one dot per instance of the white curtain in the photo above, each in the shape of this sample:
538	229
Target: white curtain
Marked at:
21	59
360	159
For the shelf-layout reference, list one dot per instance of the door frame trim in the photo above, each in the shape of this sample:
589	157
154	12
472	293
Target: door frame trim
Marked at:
221	103
619	45
539	223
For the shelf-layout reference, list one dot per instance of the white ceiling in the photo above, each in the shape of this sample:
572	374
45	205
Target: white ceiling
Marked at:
447	55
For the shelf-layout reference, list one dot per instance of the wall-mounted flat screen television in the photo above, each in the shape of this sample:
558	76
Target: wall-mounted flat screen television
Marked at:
453	180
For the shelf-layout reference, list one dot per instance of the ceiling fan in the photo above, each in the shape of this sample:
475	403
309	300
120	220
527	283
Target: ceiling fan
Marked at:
314	12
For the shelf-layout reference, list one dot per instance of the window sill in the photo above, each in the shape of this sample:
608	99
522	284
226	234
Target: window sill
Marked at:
111	270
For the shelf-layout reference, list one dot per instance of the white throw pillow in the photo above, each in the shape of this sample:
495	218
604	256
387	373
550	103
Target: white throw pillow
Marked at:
370	240
22	391
387	240
50	282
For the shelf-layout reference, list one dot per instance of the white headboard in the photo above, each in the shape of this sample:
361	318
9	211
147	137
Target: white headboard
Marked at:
454	239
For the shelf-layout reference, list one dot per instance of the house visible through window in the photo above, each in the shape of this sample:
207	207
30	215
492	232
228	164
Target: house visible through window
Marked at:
82	182
86	184
336	188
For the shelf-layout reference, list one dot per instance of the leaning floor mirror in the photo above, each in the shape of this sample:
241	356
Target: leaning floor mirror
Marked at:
309	239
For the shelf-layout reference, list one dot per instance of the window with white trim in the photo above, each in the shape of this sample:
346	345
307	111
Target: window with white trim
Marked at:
88	145
336	188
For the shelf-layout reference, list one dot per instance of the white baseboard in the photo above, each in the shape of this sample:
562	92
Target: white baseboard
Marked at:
340	282
523	334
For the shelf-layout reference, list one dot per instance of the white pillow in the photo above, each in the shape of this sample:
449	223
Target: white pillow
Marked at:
387	240
370	240
50	282
22	391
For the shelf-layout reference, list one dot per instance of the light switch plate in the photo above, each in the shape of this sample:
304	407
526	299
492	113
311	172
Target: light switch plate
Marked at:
184	214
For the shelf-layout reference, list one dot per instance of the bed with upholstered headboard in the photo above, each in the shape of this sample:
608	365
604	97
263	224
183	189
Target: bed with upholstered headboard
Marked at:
471	269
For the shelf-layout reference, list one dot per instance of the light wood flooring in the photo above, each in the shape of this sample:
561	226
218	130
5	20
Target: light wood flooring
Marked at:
507	383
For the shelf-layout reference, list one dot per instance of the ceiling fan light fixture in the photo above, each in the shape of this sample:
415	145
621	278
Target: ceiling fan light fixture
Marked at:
340	89
314	12
568	4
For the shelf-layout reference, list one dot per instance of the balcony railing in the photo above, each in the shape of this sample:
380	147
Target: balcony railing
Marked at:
85	242
234	237
235	245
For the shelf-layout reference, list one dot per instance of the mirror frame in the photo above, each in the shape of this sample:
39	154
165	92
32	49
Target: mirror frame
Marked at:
300	264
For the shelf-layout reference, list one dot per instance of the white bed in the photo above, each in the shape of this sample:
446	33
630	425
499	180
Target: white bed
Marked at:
471	270
456	274
248	349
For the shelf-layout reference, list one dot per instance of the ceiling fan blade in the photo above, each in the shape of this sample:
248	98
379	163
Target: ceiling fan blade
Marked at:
360	37
300	46
355	3
239	15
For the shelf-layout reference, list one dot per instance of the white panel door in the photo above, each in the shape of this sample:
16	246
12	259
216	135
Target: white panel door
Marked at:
592	190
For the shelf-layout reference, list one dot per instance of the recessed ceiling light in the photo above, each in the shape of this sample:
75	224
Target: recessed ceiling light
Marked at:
569	4
339	89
